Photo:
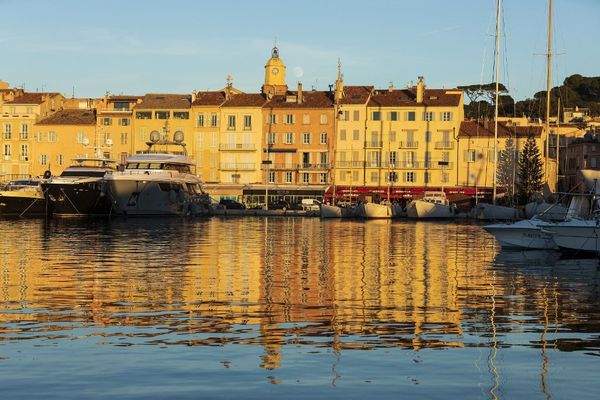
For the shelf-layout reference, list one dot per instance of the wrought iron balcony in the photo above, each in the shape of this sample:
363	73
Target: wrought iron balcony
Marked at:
237	146
238	166
408	145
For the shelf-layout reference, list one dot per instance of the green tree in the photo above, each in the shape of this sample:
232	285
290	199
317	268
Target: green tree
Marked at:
530	171
507	167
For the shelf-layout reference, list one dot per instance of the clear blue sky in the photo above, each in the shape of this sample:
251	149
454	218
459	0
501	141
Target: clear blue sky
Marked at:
137	47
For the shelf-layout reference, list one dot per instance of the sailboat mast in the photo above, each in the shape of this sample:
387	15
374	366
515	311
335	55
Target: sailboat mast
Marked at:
497	75
548	88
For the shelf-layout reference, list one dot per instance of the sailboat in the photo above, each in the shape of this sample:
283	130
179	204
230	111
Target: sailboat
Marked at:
483	211
434	204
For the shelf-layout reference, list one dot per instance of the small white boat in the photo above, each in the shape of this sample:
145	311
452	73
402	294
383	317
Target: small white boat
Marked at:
432	205
494	212
374	210
576	235
524	234
330	211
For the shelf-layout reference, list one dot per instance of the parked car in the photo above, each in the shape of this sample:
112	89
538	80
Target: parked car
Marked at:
231	204
310	204
279	205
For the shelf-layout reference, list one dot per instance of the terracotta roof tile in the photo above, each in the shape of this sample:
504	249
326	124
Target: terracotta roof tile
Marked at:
356	94
407	97
246	100
70	117
122	97
209	98
157	101
31	98
310	99
486	129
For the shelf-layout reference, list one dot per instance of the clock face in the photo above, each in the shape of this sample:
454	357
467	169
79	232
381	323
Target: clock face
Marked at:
275	71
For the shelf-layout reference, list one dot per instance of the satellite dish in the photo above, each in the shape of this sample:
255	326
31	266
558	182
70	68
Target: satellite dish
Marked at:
178	137
109	142
154	136
85	141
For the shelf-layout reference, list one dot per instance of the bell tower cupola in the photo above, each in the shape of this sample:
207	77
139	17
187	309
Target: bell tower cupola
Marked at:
274	75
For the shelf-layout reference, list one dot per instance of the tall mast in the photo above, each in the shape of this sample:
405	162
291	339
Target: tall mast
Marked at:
497	74
548	88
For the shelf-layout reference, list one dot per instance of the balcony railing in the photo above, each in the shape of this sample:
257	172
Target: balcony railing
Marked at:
408	145
349	164
444	145
373	144
237	146
284	166
238	166
314	166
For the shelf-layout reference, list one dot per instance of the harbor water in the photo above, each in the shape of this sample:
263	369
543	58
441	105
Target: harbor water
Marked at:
291	308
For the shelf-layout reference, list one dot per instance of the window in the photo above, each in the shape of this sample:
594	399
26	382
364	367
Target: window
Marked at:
200	120
306	119
121	106
392	136
342	134
470	156
273	119
231	122
80	137
24	152
124	122
60	159
162	114
7	131
445	177
323	177
306	138
289	119
271	176
393	158
143	115
374	176
123	137
354	176
289	138
288	177
355	134
427	177
106	121
427	136
409	176
272	137
305	177
376	115
323	138
393	116
356	115
324	158
247	122
428	116
345	116
24	130
181	115
214	119
410	116
323	119
43	159
7	151
446	116
52	136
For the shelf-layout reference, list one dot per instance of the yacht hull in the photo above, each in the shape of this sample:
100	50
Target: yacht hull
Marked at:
373	210
426	209
576	235
525	234
83	197
329	211
491	212
22	203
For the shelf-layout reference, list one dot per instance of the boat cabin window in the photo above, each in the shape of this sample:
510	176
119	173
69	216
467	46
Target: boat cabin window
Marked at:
185	169
83	173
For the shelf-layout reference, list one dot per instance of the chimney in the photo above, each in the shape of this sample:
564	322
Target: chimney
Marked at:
194	96
420	90
300	97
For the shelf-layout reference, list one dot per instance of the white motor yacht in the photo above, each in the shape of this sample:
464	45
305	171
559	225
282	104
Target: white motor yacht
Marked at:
374	210
524	234
576	235
158	182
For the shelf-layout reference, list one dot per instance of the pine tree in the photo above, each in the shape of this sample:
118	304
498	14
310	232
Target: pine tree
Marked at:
507	165
530	171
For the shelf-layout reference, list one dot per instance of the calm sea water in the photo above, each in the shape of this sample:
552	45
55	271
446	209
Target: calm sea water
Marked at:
290	308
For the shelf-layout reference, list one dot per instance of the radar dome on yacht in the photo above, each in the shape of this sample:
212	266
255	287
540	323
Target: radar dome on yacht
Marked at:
154	136
178	137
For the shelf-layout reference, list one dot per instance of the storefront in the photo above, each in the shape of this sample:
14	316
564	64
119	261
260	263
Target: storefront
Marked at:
254	195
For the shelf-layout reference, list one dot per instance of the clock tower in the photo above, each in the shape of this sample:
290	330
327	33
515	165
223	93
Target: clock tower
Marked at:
274	75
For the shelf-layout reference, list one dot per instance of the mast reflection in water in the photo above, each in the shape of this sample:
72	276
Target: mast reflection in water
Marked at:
294	308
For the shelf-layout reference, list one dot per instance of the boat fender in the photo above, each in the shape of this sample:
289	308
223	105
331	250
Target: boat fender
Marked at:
47	174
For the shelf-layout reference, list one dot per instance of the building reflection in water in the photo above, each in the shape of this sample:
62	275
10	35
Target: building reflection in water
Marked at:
332	285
